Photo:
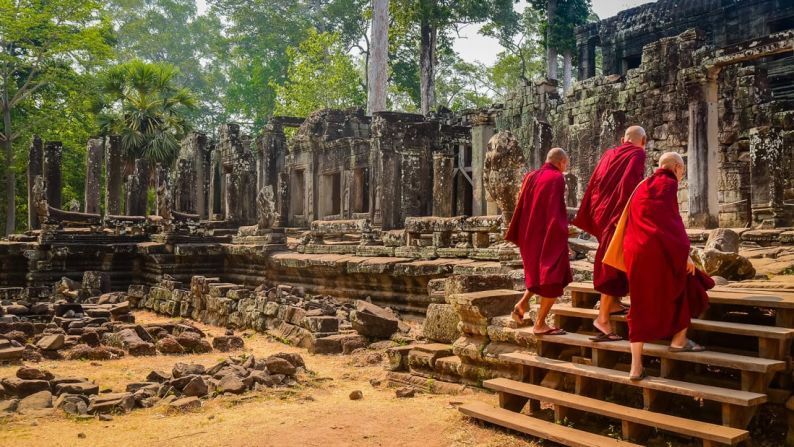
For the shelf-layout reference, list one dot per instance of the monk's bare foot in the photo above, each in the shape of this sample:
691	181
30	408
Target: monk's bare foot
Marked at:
519	310
603	327
547	330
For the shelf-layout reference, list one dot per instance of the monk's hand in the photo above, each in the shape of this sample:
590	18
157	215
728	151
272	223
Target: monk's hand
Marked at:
690	266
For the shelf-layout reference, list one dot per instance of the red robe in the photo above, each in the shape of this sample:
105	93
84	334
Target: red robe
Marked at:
618	172
540	229
664	298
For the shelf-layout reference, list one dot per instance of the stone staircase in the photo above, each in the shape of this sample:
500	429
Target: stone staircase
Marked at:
708	397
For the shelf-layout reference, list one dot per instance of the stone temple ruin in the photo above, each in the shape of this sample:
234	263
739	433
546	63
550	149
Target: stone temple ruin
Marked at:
361	227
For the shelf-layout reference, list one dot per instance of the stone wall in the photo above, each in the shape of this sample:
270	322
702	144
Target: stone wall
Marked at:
716	107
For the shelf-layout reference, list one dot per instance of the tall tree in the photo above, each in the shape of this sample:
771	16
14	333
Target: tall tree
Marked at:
321	75
523	57
437	21
142	103
377	77
562	18
41	42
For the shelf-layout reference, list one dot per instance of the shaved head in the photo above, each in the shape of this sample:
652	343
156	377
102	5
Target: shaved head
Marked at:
636	135
556	155
670	160
559	158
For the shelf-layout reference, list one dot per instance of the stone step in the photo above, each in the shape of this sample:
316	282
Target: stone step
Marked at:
560	434
628	415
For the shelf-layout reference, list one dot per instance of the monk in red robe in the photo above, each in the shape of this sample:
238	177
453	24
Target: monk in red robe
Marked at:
618	172
665	288
540	229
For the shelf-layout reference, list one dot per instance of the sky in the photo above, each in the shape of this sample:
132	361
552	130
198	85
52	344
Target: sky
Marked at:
474	47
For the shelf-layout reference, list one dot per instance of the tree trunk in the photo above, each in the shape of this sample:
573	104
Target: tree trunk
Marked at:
379	55
427	66
8	149
566	70
551	50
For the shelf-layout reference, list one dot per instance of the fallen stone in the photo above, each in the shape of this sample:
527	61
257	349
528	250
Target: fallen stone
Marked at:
157	376
169	345
278	365
83	388
258	377
29	373
85	352
197	387
112	403
356	395
231	384
404	392
105	417
34	402
731	266
185	404
24	388
71	404
50	342
142	349
8	405
90	338
294	358
226	343
374	321
185	369
723	239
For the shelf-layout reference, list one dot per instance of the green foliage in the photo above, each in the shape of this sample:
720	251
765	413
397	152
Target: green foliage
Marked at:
523	56
462	85
569	14
47	50
172	31
321	75
142	103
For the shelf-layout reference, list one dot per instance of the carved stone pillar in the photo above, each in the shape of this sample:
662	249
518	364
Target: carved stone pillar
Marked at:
703	144
113	176
53	153
481	131
35	161
138	188
443	166
93	175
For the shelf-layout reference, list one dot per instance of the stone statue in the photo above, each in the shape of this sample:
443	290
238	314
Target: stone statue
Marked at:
266	208
163	195
40	198
505	166
73	206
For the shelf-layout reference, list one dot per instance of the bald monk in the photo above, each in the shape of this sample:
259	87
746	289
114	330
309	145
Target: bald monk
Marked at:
540	229
666	289
618	172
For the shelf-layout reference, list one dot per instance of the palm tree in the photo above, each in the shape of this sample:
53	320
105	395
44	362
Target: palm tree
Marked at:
142	104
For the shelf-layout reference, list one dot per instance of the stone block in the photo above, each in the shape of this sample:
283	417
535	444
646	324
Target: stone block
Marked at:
477	308
398	357
423	357
441	323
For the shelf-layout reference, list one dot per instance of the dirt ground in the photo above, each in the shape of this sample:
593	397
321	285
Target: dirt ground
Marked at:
318	413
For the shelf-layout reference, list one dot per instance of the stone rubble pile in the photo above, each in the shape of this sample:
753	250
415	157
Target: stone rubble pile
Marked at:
36	390
321	324
99	331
